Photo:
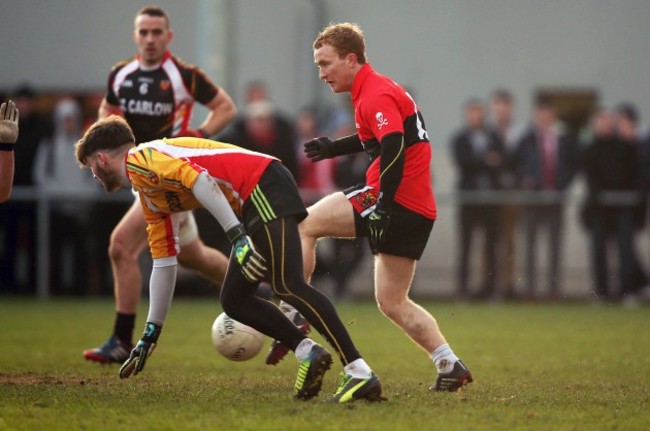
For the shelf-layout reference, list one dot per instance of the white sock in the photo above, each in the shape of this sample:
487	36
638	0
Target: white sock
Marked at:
444	358
288	310
358	369
303	349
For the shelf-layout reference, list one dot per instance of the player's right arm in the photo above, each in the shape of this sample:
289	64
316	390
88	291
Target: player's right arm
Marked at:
163	234
324	148
106	109
109	105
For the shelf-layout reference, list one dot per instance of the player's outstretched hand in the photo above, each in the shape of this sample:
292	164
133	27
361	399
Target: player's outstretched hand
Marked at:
319	149
9	116
253	264
141	351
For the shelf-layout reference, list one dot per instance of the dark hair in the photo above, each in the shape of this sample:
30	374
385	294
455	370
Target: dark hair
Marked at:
346	38
26	91
473	102
502	95
108	134
544	103
628	110
154	11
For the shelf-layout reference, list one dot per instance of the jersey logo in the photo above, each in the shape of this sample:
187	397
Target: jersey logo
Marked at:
127	83
153	177
381	121
165	84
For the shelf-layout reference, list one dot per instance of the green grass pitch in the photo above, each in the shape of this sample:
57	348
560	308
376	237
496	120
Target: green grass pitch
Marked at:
536	367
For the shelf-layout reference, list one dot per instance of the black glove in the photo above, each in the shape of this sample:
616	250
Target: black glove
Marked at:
378	222
141	351
320	149
253	264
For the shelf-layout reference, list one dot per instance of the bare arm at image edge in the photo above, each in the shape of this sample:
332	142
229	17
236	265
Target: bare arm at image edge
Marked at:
8	136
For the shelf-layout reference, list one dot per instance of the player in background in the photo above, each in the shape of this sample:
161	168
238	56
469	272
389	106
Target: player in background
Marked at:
256	201
395	208
9	117
155	92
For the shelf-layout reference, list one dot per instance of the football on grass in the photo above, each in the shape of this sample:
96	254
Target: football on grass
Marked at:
234	340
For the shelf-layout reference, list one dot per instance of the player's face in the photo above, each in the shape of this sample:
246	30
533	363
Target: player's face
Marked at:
102	173
152	36
336	71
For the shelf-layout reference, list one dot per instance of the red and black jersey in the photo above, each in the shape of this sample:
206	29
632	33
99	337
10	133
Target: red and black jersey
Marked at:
381	107
157	102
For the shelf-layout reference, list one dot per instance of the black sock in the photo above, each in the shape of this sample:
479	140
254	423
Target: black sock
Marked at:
123	329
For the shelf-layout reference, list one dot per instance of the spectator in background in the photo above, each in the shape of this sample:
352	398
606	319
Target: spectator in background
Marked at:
9	117
55	170
627	122
502	116
262	130
350	170
316	179
18	218
479	155
549	160
645	183
612	171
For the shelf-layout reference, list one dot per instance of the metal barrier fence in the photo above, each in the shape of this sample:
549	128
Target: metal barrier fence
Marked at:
44	200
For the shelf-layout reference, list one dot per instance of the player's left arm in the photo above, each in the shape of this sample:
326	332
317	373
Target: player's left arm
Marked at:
222	112
391	171
385	120
210	196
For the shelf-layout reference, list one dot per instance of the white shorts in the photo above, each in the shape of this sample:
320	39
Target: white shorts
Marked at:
188	231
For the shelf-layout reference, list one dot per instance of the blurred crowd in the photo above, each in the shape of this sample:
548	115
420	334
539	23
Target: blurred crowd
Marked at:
512	179
80	228
515	176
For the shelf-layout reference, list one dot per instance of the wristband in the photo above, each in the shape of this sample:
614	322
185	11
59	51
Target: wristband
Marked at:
235	232
6	147
151	332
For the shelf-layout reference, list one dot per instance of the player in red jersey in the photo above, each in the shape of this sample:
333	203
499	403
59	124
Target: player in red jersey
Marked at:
396	207
155	92
256	201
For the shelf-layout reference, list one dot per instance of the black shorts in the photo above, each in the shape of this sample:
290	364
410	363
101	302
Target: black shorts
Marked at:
408	231
275	196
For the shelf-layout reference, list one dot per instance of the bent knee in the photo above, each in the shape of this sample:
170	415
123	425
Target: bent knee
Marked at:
122	248
391	308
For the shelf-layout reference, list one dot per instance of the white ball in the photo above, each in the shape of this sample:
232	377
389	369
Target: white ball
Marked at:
234	340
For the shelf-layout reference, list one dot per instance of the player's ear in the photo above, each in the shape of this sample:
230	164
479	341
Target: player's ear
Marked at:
170	35
351	59
101	158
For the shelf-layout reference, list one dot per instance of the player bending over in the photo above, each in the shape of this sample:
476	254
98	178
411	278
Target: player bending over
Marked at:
256	201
